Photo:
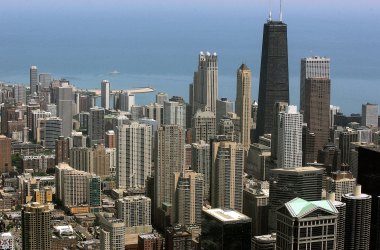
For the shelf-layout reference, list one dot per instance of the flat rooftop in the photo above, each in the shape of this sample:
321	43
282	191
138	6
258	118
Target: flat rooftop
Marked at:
226	214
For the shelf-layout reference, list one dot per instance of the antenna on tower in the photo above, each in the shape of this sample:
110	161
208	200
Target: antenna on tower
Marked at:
270	10
280	10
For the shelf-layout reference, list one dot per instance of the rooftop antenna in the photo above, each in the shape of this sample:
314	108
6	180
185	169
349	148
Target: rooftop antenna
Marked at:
270	10
280	10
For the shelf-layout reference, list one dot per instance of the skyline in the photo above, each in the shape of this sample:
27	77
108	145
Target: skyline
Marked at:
143	44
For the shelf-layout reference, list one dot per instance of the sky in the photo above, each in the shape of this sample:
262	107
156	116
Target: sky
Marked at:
82	40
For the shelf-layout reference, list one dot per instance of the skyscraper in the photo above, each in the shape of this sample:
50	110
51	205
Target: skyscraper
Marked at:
5	152
135	212
278	108
105	93
188	198
227	168
201	164
112	233
175	113
312	68
205	88
289	138
62	150
65	109
161	98
134	154
289	183
303	224
315	98
274	75
170	146
33	80
45	80
19	92
203	126
96	130
243	103
358	219
223	106
370	113
36	227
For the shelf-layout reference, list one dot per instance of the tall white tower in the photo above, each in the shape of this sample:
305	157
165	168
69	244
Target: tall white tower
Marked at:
289	138
105	92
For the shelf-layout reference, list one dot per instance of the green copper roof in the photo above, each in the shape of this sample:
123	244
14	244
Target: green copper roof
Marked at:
299	207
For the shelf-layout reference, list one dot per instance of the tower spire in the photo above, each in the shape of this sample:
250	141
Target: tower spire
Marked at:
280	10
270	10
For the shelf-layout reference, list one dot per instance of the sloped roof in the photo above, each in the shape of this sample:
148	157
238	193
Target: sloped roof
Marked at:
299	207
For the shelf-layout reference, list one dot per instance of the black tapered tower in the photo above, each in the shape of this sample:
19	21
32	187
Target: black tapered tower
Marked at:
274	74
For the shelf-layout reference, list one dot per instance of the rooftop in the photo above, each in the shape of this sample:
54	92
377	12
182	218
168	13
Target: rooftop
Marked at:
299	207
226	214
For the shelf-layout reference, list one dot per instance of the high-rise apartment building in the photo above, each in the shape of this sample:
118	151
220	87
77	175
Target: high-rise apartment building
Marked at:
170	146
256	206
175	113
5	152
77	188
151	241
65	109
258	156
19	93
155	111
203	126
333	111
161	97
33	79
274	74
205	86
341	223
243	103
264	242
340	183
305	224
127	100
278	108
188	198
227	168
96	130
45	80
134	155
48	130
105	93
36	227
62	150
112	232
370	113
135	212
201	164
289	138
358	219
223	107
224	228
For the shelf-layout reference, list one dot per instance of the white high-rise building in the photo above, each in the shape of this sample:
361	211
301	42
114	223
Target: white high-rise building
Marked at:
289	151
127	100
205	87
105	93
333	111
135	211
134	155
312	67
112	232
175	114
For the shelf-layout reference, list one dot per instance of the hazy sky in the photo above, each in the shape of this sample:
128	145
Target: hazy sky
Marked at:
84	38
